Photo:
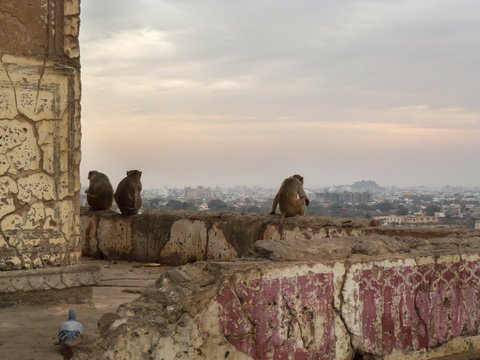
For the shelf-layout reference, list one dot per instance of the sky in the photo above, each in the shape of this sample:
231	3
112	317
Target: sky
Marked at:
249	92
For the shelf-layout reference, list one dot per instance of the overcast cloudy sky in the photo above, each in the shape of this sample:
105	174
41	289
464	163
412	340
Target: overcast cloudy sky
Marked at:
251	91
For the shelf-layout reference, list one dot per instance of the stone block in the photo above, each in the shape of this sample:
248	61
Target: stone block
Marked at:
6	285
38	185
218	247
89	241
114	236
48	278
4	164
70	279
71	26
20	283
8	107
8	188
71	46
71	7
188	241
19	145
42	91
54	281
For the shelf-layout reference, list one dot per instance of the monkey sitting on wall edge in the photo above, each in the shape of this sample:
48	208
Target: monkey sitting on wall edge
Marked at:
291	199
100	191
127	195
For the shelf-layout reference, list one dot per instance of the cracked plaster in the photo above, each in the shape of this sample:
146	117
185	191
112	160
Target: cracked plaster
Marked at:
39	135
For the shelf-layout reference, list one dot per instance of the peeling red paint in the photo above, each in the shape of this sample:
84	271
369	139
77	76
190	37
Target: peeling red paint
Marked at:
282	318
418	307
406	308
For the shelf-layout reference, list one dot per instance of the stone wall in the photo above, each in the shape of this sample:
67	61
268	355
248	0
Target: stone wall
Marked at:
71	284
410	294
180	237
39	133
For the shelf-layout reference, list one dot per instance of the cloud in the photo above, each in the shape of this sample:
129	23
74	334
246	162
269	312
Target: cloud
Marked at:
223	80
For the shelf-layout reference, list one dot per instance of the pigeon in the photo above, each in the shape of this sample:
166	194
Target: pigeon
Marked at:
69	329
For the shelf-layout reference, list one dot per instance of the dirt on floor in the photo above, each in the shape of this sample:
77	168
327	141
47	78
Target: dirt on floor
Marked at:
29	332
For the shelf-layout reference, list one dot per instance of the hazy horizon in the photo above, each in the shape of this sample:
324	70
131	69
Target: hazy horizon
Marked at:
251	92
307	186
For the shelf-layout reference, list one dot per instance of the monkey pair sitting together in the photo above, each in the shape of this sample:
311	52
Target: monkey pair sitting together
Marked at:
291	199
127	196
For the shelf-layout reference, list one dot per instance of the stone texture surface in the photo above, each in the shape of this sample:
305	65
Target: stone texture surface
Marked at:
179	237
25	29
409	296
40	134
211	311
46	279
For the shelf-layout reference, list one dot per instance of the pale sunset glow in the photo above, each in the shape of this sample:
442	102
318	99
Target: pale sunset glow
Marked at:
249	92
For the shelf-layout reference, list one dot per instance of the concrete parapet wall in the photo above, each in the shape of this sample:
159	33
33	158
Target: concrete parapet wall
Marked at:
410	294
179	237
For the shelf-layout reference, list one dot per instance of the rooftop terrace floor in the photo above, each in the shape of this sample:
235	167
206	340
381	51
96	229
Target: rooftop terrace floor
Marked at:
29	332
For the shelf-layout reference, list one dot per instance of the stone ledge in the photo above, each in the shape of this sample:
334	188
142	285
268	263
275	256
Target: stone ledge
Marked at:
180	237
57	278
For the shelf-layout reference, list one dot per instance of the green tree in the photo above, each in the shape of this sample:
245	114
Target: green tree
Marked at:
430	210
190	205
337	210
217	205
174	205
402	210
317	210
385	206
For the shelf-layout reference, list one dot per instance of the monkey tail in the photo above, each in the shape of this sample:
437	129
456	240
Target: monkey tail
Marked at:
282	223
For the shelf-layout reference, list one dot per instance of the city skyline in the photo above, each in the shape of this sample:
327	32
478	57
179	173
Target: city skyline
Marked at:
249	93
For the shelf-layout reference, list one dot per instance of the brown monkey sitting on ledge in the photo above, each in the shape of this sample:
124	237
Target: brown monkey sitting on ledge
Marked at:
291	199
127	196
100	191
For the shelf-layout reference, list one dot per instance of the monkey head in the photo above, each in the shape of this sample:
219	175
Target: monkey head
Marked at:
91	173
134	174
299	177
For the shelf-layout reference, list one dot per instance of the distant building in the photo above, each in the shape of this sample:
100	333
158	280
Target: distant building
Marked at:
203	206
345	197
198	193
477	224
406	219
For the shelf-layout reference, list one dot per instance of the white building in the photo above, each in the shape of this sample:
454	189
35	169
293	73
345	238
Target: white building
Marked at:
477	224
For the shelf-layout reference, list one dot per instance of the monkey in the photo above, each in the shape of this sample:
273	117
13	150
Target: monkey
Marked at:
291	199
100	191
127	195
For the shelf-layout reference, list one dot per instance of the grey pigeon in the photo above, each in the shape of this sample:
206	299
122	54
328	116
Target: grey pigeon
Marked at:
70	329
